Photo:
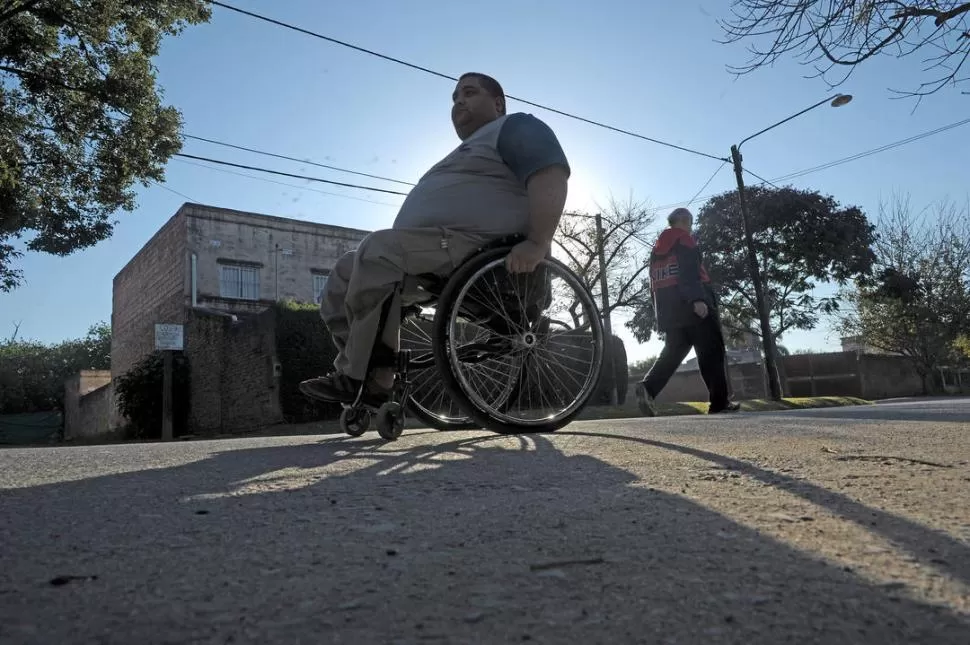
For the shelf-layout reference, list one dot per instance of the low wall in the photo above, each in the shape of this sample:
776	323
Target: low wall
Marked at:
869	376
888	377
89	405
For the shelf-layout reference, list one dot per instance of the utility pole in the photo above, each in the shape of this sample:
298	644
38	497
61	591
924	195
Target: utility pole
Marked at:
167	360
605	300
768	341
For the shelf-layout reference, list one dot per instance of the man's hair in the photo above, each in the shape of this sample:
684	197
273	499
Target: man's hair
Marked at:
488	84
678	214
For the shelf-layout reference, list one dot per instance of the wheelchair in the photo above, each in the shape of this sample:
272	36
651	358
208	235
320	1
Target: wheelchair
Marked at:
486	349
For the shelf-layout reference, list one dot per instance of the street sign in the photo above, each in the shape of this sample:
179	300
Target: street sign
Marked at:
169	337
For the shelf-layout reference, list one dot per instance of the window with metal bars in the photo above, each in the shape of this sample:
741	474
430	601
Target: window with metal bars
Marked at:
239	282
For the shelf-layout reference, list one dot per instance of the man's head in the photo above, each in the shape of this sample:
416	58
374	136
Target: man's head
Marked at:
680	218
478	99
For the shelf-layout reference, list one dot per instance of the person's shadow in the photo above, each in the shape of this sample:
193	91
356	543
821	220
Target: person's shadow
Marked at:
436	538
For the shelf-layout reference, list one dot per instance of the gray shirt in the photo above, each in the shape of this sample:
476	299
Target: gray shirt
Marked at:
480	187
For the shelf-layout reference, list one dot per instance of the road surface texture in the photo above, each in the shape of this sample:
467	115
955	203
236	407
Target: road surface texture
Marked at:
827	526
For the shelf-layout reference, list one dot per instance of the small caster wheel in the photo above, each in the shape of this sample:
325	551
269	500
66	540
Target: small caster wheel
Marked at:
354	421
390	420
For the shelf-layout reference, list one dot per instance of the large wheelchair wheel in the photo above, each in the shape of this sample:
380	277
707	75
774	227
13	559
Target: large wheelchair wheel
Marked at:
543	342
428	399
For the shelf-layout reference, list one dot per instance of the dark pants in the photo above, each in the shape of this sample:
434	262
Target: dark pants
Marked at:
707	340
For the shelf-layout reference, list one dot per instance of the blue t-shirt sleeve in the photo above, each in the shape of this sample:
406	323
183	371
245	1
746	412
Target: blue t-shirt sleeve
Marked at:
527	145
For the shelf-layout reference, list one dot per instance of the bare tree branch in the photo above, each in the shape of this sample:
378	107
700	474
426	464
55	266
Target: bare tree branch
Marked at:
842	34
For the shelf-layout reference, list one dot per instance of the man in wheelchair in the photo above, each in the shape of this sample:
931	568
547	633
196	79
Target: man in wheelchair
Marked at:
507	177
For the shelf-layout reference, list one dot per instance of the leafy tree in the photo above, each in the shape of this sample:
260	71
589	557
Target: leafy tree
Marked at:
802	237
32	374
837	36
81	118
917	303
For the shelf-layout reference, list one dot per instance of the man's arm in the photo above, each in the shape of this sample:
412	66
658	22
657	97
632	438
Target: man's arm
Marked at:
532	152
547	199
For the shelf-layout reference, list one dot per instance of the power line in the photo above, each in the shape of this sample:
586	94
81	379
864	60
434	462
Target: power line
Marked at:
837	162
759	177
283	183
706	183
172	190
288	158
288	174
695	198
868	153
426	70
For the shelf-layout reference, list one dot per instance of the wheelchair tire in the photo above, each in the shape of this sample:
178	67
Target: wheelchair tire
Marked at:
413	339
442	333
438	423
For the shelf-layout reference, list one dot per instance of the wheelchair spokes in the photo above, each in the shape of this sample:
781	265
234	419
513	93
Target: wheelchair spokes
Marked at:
429	398
547	326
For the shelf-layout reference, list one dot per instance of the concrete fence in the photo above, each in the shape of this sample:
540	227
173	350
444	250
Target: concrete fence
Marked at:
868	376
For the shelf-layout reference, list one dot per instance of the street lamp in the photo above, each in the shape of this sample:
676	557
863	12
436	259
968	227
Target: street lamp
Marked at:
768	341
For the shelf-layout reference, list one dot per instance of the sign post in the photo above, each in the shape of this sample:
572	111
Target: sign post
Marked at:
168	340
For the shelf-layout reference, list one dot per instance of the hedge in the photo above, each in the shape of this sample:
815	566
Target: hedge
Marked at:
305	350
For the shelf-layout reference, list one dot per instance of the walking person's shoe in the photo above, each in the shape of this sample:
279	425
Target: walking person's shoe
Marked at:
730	406
646	402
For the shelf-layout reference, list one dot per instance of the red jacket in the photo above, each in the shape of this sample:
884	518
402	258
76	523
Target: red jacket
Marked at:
678	279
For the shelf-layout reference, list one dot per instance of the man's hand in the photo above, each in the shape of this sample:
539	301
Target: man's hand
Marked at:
525	257
700	308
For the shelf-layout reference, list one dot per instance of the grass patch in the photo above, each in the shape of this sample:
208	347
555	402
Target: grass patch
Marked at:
630	409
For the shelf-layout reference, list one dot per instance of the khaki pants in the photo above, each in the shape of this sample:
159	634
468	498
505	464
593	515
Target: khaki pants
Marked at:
367	280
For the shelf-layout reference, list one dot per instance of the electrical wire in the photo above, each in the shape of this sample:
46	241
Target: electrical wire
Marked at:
706	183
838	162
289	174
427	70
283	183
288	158
173	191
759	177
868	153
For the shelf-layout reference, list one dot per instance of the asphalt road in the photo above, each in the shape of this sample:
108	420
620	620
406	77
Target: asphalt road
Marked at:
826	526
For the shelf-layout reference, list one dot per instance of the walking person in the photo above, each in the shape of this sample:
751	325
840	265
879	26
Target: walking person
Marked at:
686	313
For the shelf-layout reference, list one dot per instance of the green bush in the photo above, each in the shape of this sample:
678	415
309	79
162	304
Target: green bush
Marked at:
139	394
32	374
305	350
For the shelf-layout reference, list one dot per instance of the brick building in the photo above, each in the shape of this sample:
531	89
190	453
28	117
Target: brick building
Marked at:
218	260
217	272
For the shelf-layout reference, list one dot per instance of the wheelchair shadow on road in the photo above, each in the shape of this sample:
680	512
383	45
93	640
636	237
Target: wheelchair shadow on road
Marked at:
480	538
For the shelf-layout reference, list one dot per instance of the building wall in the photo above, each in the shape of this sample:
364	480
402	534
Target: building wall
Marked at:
234	385
290	249
88	404
150	289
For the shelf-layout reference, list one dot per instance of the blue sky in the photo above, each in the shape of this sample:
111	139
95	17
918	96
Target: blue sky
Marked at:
653	68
